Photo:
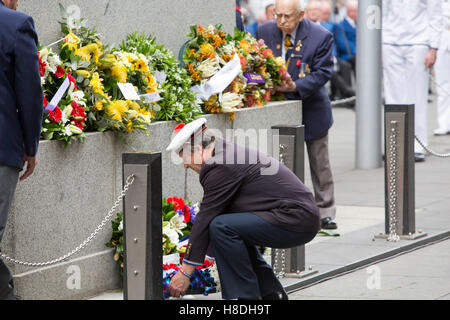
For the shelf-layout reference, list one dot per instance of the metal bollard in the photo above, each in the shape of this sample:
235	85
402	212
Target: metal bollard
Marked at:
399	174
142	227
292	154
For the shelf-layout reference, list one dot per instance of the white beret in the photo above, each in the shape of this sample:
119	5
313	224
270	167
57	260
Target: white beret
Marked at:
185	134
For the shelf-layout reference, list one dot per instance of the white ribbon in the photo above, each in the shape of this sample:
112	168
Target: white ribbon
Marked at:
221	80
58	96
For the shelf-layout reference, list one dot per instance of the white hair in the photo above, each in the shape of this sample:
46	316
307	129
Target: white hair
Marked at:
301	5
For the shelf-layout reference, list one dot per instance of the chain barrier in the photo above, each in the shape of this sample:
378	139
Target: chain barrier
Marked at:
392	196
93	235
282	272
440	155
340	102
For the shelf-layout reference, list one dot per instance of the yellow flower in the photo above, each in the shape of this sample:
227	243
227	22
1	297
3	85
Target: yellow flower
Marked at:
207	51
145	116
72	41
96	84
117	110
99	105
119	72
152	84
86	51
84	73
133	105
141	65
245	46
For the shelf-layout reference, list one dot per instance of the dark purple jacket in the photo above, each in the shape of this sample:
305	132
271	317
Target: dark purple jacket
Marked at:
317	52
260	185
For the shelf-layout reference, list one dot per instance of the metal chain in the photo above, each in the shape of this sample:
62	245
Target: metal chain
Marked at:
392	196
282	272
108	217
440	155
343	101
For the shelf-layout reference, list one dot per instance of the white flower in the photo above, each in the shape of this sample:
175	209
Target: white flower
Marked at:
121	226
229	101
229	49
67	131
64	116
172	234
177	223
78	96
75	129
208	68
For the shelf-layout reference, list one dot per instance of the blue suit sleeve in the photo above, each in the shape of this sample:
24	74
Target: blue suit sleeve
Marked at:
321	69
28	88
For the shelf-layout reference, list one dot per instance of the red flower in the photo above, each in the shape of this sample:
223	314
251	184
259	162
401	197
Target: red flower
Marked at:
267	96
180	206
72	80
59	72
55	115
251	101
45	102
267	53
244	63
42	67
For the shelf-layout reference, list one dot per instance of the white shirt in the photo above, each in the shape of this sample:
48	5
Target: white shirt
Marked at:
412	22
446	13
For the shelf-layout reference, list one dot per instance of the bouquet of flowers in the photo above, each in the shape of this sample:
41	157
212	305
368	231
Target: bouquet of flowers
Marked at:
178	218
98	71
209	53
65	117
260	67
177	101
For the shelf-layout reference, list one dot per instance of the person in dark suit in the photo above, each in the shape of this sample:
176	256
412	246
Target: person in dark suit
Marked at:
345	37
341	81
20	113
307	48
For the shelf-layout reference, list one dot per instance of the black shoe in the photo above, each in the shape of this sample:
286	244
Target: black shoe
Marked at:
278	295
328	223
419	157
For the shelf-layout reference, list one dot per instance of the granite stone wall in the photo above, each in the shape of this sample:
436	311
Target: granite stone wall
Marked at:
74	187
168	20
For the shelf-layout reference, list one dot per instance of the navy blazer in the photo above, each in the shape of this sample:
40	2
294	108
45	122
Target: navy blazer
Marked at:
345	40
20	88
316	52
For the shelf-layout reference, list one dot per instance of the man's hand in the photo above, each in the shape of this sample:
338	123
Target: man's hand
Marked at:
31	163
287	85
178	285
430	58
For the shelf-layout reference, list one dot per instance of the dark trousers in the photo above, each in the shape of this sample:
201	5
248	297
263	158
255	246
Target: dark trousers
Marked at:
8	182
242	270
341	81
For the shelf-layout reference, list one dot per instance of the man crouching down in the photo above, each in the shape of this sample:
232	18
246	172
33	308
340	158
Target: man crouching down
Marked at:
242	207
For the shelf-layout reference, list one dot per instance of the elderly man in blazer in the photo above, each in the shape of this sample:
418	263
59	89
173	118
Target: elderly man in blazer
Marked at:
20	112
307	49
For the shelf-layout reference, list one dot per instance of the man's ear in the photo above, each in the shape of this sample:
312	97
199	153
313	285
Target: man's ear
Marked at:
302	15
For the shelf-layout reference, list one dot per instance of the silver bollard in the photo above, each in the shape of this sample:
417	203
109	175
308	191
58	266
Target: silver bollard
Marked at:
399	174
142	225
291	138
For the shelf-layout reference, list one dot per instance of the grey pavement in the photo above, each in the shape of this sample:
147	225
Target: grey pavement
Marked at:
420	274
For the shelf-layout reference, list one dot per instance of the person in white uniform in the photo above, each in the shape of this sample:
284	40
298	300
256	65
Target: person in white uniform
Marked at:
442	71
411	35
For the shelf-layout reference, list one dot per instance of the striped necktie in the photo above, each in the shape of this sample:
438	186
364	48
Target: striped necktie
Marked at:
288	47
